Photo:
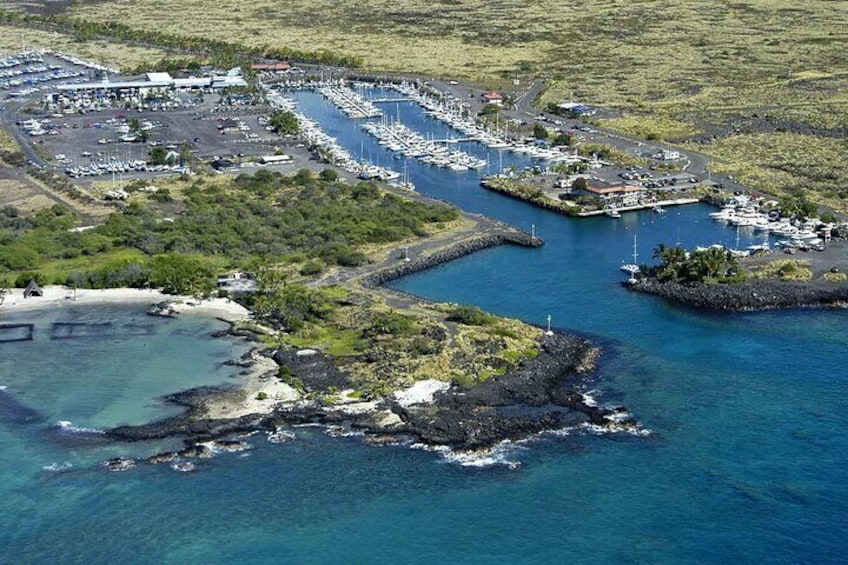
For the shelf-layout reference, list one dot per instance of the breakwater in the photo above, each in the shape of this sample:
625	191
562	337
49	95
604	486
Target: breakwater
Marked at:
749	295
461	249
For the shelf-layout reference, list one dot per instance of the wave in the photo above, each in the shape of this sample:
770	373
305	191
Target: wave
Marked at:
58	467
3	387
184	467
341	431
280	436
588	399
613	428
501	454
68	426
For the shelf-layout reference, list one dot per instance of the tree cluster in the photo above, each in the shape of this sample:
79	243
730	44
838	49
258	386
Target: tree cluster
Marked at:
711	264
300	218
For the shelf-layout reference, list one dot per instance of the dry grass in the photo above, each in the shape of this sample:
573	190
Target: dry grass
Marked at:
835	277
652	127
783	269
675	68
21	196
7	142
112	54
779	162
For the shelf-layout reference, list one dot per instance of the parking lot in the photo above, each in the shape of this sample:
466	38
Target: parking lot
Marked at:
100	143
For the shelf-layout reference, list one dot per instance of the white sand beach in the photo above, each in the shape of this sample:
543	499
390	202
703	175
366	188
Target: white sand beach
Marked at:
59	296
257	381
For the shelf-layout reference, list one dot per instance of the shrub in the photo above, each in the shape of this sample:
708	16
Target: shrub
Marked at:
470	316
310	268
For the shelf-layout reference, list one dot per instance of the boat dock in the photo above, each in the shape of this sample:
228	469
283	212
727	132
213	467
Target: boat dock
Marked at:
402	140
350	102
676	202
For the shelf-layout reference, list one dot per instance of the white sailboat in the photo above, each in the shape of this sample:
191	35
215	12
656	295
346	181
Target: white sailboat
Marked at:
633	267
405	183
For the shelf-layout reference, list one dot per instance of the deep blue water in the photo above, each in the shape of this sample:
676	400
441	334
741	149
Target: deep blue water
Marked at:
745	461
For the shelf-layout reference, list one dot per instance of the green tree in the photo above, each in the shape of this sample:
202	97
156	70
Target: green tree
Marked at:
329	175
182	274
540	131
563	139
284	122
156	156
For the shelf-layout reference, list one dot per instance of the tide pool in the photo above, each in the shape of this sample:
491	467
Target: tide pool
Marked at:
744	463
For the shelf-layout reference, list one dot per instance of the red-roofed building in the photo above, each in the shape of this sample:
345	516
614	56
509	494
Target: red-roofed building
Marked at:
493	97
624	194
278	67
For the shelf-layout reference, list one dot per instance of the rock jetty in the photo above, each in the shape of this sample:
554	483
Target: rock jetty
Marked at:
749	295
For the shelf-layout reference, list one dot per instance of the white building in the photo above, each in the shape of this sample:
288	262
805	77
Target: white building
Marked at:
158	81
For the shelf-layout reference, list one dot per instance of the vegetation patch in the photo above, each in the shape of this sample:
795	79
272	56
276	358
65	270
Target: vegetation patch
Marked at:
712	265
786	164
651	127
783	269
250	221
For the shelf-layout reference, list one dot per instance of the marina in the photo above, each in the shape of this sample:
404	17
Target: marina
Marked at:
695	496
455	114
408	143
349	102
616	212
758	216
327	146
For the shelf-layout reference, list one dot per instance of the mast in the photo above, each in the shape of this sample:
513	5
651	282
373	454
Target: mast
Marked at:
635	255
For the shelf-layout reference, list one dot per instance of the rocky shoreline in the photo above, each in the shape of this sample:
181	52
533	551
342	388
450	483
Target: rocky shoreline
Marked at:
542	393
749	295
545	393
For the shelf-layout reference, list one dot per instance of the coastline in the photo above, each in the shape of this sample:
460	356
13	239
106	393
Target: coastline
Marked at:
59	296
540	394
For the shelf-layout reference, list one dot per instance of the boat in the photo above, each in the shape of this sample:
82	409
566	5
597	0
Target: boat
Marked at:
658	209
405	183
632	268
612	213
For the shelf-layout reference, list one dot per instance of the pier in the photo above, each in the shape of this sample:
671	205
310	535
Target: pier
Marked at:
350	102
401	139
676	202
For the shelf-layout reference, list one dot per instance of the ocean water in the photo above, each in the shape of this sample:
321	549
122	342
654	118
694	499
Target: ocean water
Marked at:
745	460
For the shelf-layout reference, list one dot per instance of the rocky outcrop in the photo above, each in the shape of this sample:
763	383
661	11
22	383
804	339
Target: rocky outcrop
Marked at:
164	309
543	394
315	370
749	295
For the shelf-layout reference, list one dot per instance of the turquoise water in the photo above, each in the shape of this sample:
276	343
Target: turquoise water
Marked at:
745	461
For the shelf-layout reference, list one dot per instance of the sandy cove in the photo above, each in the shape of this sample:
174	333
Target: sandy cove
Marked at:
59	296
259	392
